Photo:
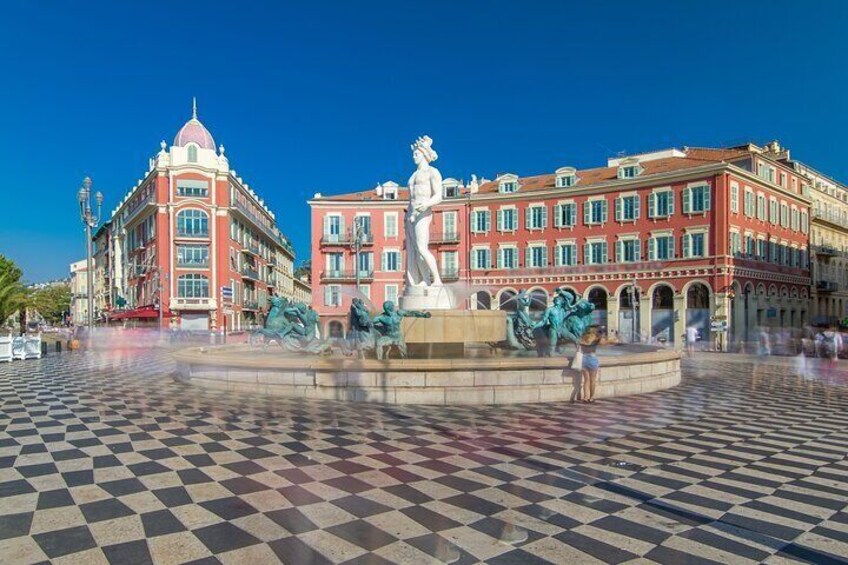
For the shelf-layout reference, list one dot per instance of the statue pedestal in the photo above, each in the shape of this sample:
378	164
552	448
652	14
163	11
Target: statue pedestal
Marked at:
446	332
426	298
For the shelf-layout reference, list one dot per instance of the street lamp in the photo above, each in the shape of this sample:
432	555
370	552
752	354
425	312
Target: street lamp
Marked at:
90	220
358	239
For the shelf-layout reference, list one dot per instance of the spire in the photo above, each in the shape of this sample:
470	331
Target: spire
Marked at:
194	107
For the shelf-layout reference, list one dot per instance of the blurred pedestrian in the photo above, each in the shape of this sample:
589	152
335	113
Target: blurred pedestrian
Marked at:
591	365
691	337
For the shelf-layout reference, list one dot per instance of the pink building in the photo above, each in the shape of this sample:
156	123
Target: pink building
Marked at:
193	238
701	236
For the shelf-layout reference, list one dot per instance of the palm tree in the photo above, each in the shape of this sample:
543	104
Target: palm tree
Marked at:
13	298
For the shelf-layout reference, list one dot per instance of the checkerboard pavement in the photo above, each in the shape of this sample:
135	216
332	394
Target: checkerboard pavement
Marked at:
109	459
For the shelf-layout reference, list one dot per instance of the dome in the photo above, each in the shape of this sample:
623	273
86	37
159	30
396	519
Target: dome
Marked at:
194	132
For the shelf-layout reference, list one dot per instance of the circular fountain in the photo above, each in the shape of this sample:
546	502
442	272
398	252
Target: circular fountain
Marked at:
447	355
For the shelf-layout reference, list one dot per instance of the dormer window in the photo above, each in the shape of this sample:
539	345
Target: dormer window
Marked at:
566	177
508	184
629	169
388	191
192	154
451	188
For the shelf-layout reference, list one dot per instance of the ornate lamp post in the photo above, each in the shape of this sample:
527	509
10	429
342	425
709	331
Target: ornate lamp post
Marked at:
90	220
356	244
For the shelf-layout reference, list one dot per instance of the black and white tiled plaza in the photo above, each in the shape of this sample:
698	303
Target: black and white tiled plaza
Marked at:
108	459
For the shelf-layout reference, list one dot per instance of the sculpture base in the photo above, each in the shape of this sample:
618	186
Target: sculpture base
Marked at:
426	298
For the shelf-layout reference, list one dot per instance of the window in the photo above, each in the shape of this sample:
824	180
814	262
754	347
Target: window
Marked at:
696	199
537	217
565	215
193	286
507	258
366	263
628	250
595	212
750	245
536	256
197	188
450	264
566	254
661	204
451	190
482	221
627	208
694	244
734	197
661	247
192	255
773	210
363	221
508	184
762	253
335	263
749	202
629	169
735	244
192	223
332	295
481	257
391	261
392	293
390	224
772	251
192	154
449	230
761	206
507	219
333	228
566	180
595	253
805	222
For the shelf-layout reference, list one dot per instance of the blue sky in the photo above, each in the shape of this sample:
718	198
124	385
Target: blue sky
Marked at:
326	97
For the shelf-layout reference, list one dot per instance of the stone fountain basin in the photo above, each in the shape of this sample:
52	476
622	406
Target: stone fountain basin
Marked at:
479	379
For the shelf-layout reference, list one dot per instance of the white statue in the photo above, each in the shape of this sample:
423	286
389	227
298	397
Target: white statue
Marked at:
425	191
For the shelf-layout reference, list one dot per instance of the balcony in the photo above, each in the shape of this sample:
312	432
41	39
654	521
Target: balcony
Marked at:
346	276
271	279
826	251
344	239
192	234
250	273
251	247
250	305
137	207
443	238
826	286
193	303
830	217
192	264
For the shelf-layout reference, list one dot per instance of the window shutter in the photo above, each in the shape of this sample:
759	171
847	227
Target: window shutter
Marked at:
528	217
636	205
488	217
558	215
558	251
587	254
604	254
671	248
687	200
545	256
326	226
652	205
604	212
706	191
638	255
652	251
544	217
685	245
500	220
327	296
500	258
670	197
527	257
572	214
587	212
619	251
618	209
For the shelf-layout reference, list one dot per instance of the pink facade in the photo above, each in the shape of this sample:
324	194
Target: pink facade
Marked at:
672	225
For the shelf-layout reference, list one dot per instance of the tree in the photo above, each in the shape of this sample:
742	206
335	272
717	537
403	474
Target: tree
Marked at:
52	302
13	295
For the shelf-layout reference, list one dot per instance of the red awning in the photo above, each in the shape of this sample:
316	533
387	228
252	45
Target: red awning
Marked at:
149	312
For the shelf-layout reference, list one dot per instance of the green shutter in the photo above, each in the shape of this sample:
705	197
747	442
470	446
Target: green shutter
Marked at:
619	251
604	211
636	206
618	212
687	200
544	217
604	254
557	215
686	244
500	220
652	205
652	252
707	190
572	214
587	253
488	216
587	212
638	255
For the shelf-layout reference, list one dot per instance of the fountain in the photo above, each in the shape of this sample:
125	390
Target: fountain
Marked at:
428	351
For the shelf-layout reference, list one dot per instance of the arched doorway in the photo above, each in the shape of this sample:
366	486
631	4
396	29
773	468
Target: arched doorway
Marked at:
698	310
662	314
507	301
598	297
483	300
335	329
629	328
538	300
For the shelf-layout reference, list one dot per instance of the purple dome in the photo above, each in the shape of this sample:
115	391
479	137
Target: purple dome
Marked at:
194	132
